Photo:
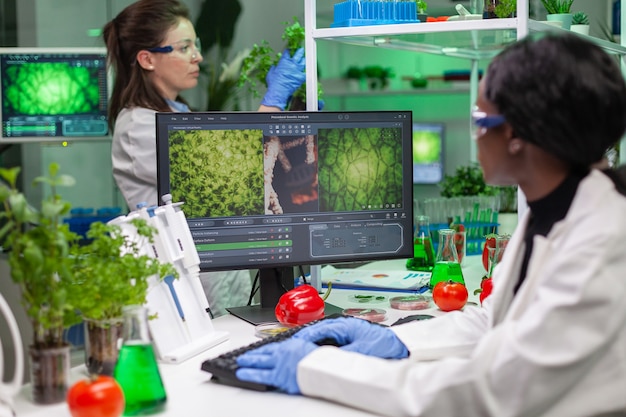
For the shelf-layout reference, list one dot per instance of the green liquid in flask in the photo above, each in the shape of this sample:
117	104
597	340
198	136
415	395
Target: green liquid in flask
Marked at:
138	375
446	271
423	255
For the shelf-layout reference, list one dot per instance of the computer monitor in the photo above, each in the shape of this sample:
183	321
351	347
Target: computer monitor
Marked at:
428	146
276	190
53	94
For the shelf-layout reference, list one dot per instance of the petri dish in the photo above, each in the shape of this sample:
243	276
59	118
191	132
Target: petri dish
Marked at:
410	302
267	330
375	315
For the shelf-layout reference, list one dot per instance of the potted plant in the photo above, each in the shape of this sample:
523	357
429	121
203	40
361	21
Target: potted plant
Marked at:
111	272
506	8
559	10
378	77
422	8
262	57
580	23
356	78
39	245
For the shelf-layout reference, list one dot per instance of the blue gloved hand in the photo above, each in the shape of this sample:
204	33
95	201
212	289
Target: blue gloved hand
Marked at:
275	364
284	78
357	335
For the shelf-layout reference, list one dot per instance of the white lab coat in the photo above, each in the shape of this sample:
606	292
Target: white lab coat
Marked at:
558	348
133	155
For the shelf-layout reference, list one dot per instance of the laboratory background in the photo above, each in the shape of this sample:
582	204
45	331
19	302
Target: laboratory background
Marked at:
444	101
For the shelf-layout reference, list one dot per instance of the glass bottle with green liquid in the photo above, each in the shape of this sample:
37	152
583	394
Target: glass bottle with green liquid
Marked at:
423	253
447	266
136	370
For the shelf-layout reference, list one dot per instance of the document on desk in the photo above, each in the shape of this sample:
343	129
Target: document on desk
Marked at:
414	281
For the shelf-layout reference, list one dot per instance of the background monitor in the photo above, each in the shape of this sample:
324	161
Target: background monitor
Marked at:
277	190
53	94
428	143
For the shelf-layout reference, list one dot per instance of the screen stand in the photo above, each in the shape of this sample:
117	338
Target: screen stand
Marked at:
273	282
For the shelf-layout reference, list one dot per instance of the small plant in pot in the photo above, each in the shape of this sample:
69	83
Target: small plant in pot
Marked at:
559	10
506	8
39	246
580	23
112	272
422	7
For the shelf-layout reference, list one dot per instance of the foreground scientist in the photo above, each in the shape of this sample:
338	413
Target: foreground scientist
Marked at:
154	53
551	339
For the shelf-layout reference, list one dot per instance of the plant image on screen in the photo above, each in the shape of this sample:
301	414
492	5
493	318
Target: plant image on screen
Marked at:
426	147
360	169
50	88
290	174
232	163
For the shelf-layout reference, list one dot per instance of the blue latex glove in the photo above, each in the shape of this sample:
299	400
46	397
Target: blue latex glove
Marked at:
275	364
357	335
284	78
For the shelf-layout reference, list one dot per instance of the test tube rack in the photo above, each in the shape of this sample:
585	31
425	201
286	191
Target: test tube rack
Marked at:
382	12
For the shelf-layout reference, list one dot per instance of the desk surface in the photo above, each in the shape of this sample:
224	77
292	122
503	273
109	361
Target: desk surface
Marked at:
191	393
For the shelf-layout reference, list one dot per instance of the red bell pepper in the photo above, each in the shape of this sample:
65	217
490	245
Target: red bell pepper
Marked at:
299	306
490	242
486	286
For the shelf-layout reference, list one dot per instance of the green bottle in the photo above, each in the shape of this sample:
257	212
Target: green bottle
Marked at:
136	370
447	266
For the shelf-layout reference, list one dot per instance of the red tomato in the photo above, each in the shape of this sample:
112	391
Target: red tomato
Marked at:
99	396
490	242
450	295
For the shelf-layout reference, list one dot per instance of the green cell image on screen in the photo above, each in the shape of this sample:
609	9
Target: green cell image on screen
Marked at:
426	147
50	88
360	168
232	166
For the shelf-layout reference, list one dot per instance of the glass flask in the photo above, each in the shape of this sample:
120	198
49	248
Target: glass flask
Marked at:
447	266
423	253
136	370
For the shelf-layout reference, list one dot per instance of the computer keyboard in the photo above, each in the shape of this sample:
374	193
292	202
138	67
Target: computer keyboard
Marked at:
224	366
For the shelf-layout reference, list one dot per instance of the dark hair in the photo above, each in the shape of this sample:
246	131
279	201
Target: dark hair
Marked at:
139	26
562	93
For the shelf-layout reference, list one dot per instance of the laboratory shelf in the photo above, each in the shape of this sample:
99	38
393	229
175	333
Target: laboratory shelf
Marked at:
471	39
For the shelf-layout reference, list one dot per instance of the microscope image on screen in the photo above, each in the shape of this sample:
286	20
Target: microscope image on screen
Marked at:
292	162
51	95
217	173
50	89
360	169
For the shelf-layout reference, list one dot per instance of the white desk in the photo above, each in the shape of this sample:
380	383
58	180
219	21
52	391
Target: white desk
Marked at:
191	393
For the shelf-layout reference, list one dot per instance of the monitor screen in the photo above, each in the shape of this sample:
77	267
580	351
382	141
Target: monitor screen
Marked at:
53	94
428	142
276	190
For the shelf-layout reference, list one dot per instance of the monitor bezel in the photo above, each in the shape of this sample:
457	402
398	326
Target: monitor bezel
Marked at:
275	279
4	140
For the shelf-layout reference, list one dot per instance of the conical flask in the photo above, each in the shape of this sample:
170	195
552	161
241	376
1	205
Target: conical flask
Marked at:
136	370
423	253
447	266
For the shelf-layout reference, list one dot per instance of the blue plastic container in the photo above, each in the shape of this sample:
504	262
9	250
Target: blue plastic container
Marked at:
365	13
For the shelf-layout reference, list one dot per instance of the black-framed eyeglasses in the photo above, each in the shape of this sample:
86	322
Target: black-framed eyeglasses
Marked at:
482	121
184	47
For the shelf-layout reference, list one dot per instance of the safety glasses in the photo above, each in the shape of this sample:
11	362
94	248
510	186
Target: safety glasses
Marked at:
482	121
183	47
